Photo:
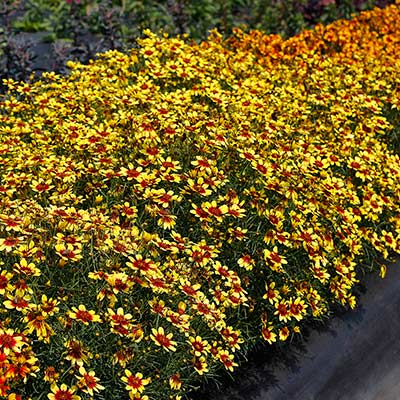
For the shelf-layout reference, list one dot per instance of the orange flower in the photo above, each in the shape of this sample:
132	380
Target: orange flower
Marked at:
4	388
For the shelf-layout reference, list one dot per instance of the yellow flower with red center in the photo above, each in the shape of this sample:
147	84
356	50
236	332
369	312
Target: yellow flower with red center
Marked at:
175	381
76	353
248	176
214	210
63	393
200	212
283	311
68	252
10	341
298	308
17	302
88	382
51	375
274	259
9	243
166	220
41	186
123	356
11	222
272	294
145	266
284	333
27	269
13	396
36	321
227	359
48	306
200	365
5	278
202	163
164	340
198	186
246	262
135	384
120	321
232	337
83	315
268	334
199	345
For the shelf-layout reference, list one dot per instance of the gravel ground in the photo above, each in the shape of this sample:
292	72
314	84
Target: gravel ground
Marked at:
355	357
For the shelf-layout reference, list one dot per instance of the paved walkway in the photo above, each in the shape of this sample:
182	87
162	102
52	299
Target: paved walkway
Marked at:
356	358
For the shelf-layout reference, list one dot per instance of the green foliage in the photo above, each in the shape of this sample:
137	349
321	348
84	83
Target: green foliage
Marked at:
126	19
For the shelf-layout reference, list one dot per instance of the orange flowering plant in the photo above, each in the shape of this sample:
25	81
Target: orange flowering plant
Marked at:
161	211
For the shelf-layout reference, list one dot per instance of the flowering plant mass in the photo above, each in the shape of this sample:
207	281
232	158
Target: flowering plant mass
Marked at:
163	210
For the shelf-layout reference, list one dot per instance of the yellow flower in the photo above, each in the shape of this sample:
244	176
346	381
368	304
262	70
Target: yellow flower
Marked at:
284	333
200	365
268	334
164	340
199	345
274	259
83	315
88	382
51	375
175	381
63	392
27	269
135	384
227	360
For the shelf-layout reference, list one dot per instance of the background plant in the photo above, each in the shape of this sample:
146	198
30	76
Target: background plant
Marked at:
92	26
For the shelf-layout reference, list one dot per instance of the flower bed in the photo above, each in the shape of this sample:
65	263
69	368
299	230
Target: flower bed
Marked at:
163	210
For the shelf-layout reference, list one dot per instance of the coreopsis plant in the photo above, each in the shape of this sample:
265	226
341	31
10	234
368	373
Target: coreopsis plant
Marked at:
163	210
